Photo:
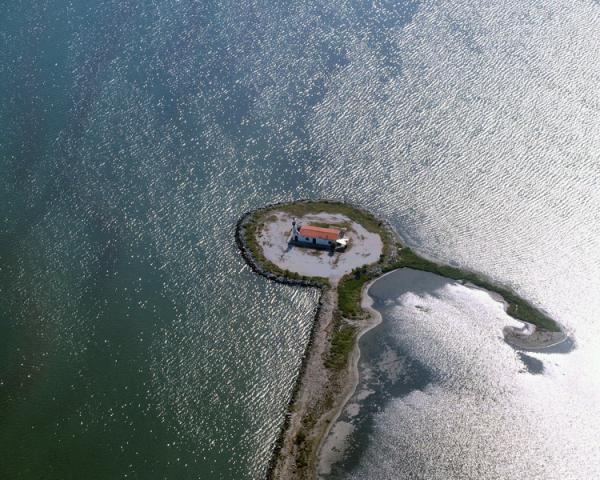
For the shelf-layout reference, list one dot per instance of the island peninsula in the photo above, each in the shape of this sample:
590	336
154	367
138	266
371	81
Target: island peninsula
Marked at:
328	375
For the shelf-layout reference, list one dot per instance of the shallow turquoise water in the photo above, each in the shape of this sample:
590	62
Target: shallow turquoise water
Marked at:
134	341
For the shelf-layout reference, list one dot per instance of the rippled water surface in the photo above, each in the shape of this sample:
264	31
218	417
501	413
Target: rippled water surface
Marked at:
442	395
134	341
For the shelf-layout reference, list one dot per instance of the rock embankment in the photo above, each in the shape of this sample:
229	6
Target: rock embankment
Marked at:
254	263
328	368
319	391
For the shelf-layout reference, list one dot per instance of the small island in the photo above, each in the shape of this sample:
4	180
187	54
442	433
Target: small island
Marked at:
341	248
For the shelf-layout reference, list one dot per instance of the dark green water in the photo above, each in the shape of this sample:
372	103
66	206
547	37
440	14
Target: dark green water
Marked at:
134	342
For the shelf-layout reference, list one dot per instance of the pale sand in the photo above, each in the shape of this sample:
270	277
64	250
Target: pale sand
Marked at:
526	337
529	338
332	450
332	446
365	247
335	438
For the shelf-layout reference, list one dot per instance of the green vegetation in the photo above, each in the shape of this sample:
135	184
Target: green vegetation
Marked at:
517	307
305	452
349	292
305	444
342	343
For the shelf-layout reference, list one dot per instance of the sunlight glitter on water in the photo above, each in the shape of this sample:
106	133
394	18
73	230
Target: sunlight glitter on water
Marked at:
134	135
463	403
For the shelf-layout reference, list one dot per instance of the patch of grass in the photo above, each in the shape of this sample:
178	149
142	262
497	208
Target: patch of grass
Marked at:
342	343
305	451
517	307
328	401
306	444
349	292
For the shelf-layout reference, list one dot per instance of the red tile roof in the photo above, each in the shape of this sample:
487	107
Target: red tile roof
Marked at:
319	232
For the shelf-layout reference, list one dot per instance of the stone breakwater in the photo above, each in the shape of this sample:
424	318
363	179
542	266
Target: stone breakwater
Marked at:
326	378
278	446
314	383
259	269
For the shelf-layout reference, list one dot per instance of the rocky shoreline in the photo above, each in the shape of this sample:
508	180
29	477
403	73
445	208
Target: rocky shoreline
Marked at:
259	269
253	263
314	381
320	391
